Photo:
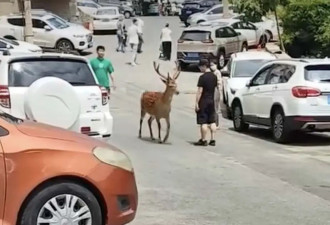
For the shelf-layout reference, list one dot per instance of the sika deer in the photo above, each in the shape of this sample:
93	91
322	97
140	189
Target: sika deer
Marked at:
158	104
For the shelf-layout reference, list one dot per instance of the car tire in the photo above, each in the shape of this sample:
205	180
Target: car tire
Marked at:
238	118
186	24
280	130
127	15
245	47
269	35
221	59
42	205
183	65
64	45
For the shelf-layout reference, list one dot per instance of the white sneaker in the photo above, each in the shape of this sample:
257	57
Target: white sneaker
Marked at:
133	64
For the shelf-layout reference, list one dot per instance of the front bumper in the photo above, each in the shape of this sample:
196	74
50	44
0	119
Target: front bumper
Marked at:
309	123
83	43
185	58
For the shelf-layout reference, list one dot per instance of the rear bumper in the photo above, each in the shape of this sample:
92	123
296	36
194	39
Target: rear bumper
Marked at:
309	123
183	57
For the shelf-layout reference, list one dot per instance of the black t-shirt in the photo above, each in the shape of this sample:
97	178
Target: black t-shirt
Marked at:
208	81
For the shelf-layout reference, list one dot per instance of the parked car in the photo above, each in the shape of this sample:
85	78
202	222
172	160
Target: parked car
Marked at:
240	69
18	46
214	13
255	35
49	32
209	42
106	18
50	174
153	9
56	89
195	6
124	9
286	96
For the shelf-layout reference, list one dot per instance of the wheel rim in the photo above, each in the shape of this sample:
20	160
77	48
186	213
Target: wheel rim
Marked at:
65	210
221	61
237	117
64	46
278	126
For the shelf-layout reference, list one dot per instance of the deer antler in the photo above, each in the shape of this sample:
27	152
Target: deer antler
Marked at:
178	70
157	70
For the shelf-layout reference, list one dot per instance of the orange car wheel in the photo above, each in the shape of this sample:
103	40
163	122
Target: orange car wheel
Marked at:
63	203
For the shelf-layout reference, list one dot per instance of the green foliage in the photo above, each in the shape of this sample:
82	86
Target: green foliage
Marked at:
306	27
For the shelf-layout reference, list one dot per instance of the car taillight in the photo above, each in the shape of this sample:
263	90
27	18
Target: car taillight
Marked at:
85	130
105	95
4	96
208	41
304	92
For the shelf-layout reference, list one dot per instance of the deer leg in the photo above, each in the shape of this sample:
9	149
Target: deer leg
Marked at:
150	128
168	129
143	114
159	134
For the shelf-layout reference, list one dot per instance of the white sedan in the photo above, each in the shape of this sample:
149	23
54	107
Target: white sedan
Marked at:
106	18
18	46
255	35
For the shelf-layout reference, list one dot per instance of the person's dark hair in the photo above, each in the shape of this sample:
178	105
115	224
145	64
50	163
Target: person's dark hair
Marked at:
134	20
167	25
204	62
100	47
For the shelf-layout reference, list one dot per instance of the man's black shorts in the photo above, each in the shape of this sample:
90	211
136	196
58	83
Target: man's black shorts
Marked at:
206	113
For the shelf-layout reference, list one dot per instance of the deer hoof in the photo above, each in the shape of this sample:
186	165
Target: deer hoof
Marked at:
153	139
160	142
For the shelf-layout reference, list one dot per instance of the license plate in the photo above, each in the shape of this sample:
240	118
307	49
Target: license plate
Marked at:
193	55
328	99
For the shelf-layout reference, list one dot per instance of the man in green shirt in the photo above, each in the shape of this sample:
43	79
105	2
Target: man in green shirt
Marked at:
102	68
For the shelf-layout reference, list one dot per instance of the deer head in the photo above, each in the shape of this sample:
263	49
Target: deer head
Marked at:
169	81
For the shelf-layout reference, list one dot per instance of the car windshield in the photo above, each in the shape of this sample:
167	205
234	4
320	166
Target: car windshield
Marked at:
247	68
318	73
9	41
195	35
24	73
107	12
57	23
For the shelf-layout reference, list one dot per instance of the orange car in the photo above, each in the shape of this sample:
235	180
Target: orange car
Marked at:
53	176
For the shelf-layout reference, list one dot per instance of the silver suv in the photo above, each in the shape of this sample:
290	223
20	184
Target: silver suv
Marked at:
212	42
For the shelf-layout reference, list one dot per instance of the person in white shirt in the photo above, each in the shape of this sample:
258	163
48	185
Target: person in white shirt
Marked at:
140	25
218	91
133	39
166	40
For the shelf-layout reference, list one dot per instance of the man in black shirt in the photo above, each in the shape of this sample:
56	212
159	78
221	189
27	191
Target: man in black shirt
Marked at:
206	115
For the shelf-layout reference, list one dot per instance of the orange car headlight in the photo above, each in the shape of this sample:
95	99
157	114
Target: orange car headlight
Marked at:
113	158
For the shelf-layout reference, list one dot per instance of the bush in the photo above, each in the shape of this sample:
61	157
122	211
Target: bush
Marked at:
306	28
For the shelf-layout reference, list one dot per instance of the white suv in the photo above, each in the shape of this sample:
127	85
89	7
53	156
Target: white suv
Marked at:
286	96
49	32
56	89
240	69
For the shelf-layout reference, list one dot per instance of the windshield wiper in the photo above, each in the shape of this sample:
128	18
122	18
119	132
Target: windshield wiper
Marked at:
325	80
77	83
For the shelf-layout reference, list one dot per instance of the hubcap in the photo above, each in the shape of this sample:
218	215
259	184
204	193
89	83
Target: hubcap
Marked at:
278	126
65	210
64	46
221	61
237	117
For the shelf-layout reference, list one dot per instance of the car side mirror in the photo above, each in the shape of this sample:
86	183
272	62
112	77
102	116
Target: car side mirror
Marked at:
248	83
47	28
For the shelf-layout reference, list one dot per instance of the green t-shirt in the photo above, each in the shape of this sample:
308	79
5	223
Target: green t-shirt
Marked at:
101	68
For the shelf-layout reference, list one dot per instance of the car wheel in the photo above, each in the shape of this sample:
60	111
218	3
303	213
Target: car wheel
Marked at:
269	35
62	203
238	118
127	15
280	130
221	59
64	46
245	47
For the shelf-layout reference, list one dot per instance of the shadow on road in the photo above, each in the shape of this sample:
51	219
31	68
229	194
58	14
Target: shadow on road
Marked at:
148	139
298	139
105	32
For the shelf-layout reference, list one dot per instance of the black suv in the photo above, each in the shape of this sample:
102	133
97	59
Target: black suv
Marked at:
194	6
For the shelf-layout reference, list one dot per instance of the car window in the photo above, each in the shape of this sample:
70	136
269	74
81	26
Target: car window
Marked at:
236	25
195	35
57	23
280	73
229	32
247	26
318	73
39	24
16	21
24	73
217	10
260	78
3	44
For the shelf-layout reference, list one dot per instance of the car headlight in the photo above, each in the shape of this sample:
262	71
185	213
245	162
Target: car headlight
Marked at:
113	158
233	91
78	35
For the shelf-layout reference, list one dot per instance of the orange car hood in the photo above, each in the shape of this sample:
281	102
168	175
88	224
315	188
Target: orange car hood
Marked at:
45	131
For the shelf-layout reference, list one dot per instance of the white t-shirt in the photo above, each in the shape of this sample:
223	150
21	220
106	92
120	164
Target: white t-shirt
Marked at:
132	34
166	34
140	25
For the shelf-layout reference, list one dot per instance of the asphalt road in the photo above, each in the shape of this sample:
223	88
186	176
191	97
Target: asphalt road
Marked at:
246	179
